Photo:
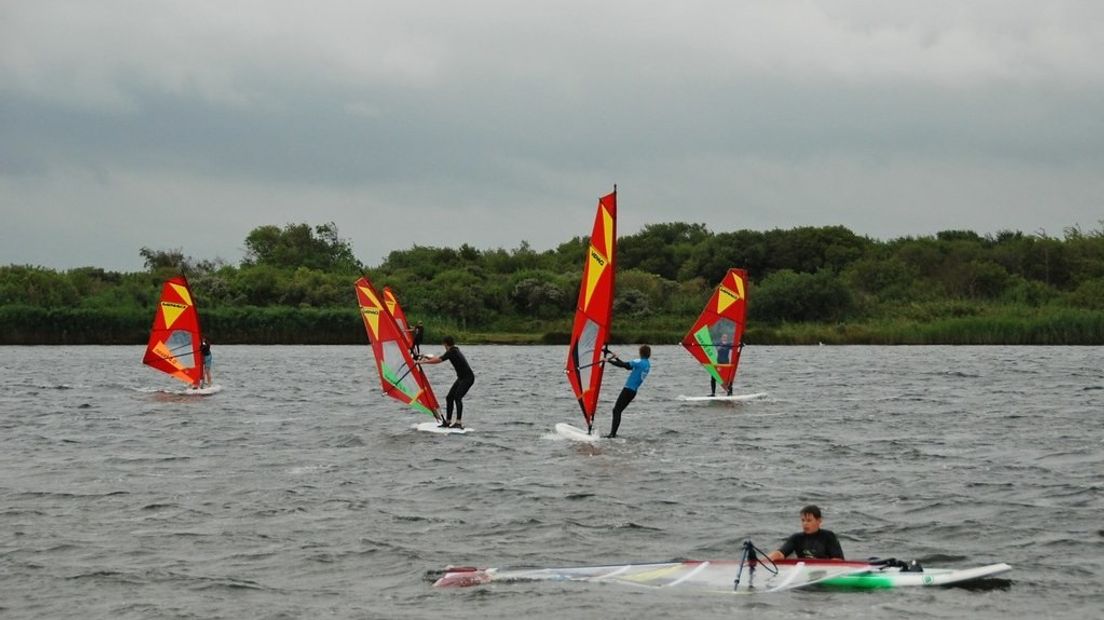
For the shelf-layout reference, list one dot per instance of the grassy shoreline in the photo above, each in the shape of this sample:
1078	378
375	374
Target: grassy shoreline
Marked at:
1001	326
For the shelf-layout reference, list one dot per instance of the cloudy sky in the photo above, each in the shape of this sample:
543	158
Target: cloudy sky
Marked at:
186	124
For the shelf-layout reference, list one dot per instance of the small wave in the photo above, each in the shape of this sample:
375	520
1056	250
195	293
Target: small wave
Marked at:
154	507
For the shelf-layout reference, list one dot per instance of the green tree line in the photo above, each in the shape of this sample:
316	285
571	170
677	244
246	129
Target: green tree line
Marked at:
808	284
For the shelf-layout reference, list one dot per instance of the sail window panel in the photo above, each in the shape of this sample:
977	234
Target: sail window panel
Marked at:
396	370
586	352
182	345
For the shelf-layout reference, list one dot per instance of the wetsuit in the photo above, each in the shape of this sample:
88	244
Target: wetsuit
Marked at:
464	380
823	544
639	370
416	340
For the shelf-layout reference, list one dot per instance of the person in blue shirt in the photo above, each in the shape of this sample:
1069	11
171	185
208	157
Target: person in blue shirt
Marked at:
638	371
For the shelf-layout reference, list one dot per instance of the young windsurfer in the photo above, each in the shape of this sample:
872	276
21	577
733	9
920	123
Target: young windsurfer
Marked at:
205	351
417	333
811	541
464	380
724	353
638	371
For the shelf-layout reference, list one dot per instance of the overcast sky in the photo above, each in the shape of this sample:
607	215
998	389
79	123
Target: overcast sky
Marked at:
186	124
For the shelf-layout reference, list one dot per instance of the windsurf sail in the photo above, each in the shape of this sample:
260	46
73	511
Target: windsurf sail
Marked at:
174	340
594	311
396	311
400	377
693	575
715	339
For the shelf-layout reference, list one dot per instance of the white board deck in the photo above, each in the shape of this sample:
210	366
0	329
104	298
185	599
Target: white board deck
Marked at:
576	434
718	576
207	391
735	398
435	427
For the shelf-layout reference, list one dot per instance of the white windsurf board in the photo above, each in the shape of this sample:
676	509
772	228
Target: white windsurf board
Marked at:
576	434
204	391
735	398
435	427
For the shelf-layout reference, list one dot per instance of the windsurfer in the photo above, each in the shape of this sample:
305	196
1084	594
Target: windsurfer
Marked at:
464	380
417	333
724	353
638	371
205	351
811	541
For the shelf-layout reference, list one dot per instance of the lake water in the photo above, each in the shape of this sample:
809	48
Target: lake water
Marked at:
299	491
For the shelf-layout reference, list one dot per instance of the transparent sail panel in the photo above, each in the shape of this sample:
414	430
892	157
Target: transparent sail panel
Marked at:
181	344
396	370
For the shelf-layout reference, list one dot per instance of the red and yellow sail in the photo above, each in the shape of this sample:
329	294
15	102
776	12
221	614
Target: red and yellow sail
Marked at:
590	332
396	311
400	377
174	340
715	338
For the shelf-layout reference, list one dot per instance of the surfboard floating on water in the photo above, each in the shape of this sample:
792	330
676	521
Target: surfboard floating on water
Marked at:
594	310
721	576
574	433
735	398
435	427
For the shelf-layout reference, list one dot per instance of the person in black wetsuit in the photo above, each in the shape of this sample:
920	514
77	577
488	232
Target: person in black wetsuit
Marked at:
811	541
464	380
417	333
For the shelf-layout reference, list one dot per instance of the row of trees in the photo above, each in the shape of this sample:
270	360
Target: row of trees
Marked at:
826	275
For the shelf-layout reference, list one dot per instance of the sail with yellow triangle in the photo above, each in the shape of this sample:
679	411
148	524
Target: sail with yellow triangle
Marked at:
400	378
174	340
392	303
594	311
715	338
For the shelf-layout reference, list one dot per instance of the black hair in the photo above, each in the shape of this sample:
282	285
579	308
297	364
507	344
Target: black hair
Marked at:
645	351
449	341
811	509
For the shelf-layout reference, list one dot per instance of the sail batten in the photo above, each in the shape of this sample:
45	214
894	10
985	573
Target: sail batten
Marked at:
715	338
173	346
594	310
400	378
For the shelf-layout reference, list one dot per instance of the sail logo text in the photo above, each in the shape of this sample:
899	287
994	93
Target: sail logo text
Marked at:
172	304
731	294
597	258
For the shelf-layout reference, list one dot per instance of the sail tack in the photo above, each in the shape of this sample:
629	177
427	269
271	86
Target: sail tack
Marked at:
173	346
714	339
400	378
593	313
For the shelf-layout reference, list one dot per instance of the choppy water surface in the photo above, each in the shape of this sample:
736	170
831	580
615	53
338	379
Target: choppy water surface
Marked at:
299	491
